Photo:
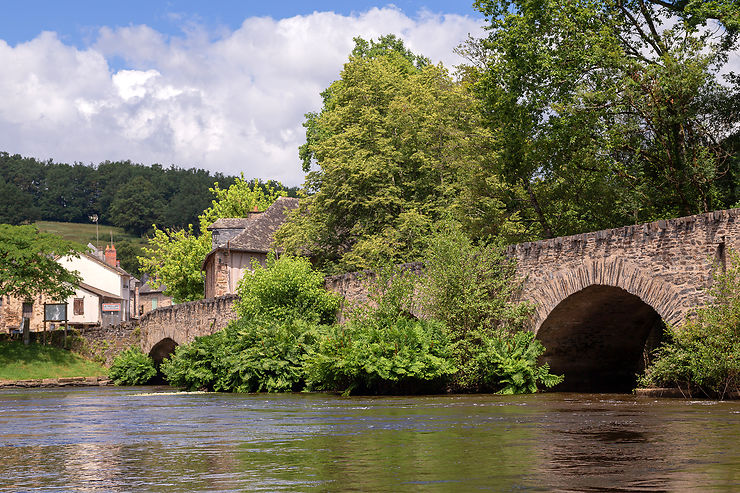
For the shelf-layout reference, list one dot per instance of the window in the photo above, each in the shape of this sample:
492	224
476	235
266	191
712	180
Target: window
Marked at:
79	308
27	309
154	303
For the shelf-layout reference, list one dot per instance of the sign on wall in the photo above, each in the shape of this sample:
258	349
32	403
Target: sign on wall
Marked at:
55	312
111	307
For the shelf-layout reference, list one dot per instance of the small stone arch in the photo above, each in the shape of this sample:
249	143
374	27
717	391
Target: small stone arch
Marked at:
662	296
162	350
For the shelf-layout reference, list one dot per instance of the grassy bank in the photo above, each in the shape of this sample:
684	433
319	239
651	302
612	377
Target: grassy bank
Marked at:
20	362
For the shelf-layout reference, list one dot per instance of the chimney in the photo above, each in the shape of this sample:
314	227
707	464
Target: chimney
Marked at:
110	255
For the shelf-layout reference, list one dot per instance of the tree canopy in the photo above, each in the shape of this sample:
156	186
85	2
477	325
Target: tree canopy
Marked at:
29	266
610	112
382	158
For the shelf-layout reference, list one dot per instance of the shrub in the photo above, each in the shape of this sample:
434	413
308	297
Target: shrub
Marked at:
382	348
196	366
286	288
132	367
258	355
375	355
472	288
703	356
507	362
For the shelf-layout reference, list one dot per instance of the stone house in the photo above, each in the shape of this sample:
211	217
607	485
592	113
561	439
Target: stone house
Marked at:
151	298
105	296
238	241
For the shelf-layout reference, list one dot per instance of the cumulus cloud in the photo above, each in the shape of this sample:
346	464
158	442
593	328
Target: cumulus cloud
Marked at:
233	103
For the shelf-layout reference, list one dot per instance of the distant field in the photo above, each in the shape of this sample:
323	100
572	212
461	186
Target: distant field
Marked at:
85	233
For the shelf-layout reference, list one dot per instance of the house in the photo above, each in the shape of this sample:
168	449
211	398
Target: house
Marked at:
105	296
237	242
151	298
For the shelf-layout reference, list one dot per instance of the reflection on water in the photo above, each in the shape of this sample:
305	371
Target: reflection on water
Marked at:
125	440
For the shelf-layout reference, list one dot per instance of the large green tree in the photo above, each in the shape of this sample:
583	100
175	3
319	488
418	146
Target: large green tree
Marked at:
606	112
382	159
28	265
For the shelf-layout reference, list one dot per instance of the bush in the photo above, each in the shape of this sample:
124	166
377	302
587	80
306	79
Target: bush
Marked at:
375	355
507	363
472	288
248	356
132	367
287	288
703	356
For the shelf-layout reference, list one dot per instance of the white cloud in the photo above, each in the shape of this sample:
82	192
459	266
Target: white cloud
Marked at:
232	104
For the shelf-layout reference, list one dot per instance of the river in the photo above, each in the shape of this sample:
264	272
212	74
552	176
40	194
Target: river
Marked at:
154	439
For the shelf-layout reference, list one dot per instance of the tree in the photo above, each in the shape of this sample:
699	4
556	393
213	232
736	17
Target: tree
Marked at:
173	257
29	266
385	150
605	113
136	206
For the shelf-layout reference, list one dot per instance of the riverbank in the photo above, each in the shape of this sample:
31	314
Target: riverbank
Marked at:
672	392
99	381
19	362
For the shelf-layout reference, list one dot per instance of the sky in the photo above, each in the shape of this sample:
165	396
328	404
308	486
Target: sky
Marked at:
220	85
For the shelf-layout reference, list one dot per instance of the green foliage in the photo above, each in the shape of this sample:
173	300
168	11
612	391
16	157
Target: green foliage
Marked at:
29	266
385	149
703	355
136	206
470	286
380	355
604	113
197	365
280	308
508	362
132	367
173	257
250	355
286	288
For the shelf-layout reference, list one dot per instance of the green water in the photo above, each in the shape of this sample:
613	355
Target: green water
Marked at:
153	440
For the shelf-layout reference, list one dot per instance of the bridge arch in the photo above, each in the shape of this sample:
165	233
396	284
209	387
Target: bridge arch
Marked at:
662	296
598	320
162	350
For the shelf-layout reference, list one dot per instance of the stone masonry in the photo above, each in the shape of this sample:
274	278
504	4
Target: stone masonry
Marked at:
667	264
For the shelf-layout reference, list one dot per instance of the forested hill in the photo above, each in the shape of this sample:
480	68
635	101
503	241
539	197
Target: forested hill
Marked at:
122	193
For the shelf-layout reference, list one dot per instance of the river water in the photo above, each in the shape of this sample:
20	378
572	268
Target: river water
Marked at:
153	439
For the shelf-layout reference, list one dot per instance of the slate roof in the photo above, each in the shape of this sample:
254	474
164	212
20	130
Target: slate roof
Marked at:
258	229
231	222
147	288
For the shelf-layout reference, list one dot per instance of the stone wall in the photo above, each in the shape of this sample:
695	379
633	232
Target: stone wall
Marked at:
184	322
104	343
667	264
354	287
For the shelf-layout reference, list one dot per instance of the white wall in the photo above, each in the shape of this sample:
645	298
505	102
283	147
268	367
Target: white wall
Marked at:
95	274
91	309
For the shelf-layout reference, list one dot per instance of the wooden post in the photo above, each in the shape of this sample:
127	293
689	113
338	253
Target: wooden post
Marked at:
25	323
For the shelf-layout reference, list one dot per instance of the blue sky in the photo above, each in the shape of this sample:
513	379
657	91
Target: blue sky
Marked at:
77	21
221	85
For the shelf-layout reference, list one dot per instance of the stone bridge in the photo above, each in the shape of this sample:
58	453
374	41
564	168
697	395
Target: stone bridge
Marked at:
600	299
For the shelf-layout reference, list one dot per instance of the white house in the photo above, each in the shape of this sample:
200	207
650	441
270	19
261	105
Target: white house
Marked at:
105	296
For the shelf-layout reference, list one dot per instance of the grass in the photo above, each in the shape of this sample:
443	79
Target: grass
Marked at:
85	233
21	362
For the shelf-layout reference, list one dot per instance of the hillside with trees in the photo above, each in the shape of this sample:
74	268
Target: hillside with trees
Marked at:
124	194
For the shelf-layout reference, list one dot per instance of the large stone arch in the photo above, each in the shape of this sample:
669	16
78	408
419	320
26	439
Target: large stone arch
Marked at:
599	322
162	350
665	298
